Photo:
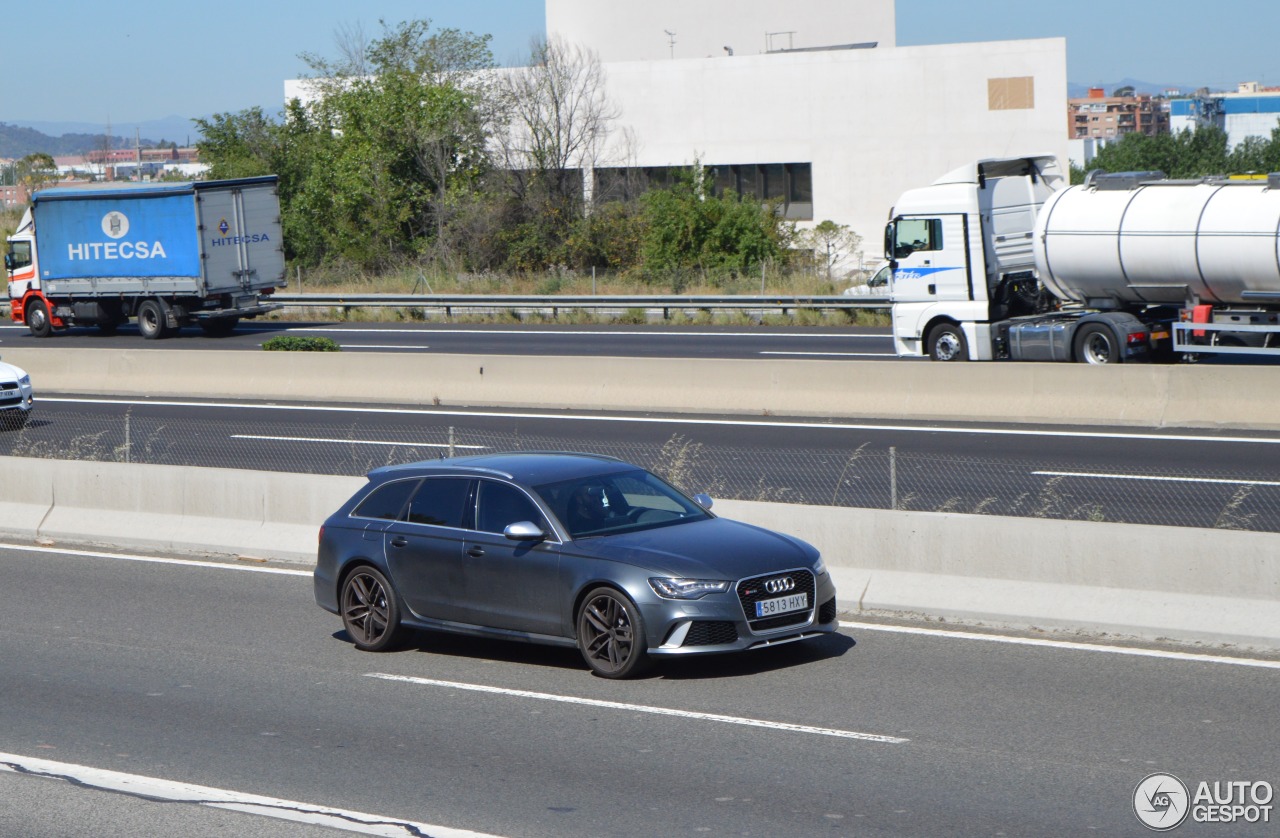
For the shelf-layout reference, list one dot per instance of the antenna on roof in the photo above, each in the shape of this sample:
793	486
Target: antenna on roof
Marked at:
671	38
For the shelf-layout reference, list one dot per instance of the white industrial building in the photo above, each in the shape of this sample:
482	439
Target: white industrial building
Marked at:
810	101
1252	111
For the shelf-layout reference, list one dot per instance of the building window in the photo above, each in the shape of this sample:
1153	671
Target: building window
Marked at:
790	184
1011	94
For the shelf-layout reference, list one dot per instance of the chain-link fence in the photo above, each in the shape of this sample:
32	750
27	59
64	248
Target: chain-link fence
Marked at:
861	475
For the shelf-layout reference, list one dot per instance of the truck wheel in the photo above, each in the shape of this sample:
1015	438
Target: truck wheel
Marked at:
151	320
37	317
946	343
1096	344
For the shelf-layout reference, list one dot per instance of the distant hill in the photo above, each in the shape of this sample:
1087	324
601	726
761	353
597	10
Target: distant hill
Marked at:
20	138
1142	88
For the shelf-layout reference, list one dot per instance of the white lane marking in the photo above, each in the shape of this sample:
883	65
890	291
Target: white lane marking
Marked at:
157	789
1070	645
643	708
831	354
1157	478
128	557
358	442
378	346
673	420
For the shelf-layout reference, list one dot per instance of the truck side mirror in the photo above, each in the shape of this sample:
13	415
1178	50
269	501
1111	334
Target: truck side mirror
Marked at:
8	261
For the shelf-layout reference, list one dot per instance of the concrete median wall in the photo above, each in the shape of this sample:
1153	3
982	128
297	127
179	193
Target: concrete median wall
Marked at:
1141	396
1212	586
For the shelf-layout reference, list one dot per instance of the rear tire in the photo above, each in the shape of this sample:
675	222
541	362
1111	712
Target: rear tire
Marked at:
947	343
370	610
1096	344
37	317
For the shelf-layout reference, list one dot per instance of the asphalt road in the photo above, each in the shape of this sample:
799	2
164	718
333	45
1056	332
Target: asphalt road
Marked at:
234	680
625	341
1187	479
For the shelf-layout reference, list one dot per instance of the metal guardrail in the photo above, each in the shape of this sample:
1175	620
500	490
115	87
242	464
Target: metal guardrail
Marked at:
555	303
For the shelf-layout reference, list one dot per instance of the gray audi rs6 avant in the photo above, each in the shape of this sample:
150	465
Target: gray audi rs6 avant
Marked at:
564	549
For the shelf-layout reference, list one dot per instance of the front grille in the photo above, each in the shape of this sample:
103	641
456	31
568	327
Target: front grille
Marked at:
11	402
751	591
827	613
8	385
708	633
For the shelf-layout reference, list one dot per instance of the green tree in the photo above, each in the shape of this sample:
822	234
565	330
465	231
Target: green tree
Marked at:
396	142
36	171
244	144
370	168
833	245
688	227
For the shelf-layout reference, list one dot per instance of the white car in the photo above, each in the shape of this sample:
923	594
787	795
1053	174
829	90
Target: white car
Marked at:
877	286
16	396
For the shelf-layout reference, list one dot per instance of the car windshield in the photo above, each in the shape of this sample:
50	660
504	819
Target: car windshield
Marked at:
609	504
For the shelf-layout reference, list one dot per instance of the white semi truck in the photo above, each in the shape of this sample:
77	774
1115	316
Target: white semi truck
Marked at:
167	254
1001	260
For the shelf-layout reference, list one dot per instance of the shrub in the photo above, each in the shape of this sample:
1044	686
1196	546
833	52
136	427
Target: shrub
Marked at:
296	343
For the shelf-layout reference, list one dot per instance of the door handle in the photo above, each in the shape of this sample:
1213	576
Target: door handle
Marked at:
475	552
399	541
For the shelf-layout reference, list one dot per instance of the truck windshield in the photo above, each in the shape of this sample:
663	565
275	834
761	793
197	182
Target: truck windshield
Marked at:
915	234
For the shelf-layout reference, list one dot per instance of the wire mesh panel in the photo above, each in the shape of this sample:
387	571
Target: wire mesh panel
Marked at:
859	474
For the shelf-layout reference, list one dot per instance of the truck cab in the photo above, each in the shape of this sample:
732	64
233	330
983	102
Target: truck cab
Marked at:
21	265
962	256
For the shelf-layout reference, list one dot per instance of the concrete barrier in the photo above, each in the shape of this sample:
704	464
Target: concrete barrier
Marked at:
1142	395
1211	586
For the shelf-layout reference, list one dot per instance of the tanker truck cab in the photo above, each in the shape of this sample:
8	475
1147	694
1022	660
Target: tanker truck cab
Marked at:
963	259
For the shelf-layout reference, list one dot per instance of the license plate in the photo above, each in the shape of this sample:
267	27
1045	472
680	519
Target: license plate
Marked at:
782	605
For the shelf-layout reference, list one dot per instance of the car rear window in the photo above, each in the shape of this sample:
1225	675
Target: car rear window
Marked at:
440	502
386	501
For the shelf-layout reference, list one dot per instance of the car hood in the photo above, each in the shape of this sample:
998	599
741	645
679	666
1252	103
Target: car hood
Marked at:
716	548
10	371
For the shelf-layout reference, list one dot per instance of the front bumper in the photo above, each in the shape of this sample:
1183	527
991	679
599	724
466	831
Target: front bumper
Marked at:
719	623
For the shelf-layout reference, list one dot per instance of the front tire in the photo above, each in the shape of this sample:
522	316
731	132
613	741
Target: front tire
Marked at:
37	317
947	343
370	610
1097	344
611	634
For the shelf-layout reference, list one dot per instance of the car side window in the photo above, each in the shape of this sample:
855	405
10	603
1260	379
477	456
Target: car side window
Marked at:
501	505
387	501
440	502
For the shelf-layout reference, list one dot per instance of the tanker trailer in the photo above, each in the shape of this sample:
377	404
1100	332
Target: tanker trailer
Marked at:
1002	261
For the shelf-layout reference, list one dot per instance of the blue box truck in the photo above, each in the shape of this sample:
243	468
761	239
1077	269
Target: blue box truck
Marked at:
165	254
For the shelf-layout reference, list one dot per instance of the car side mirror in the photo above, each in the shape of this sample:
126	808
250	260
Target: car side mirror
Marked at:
524	531
703	500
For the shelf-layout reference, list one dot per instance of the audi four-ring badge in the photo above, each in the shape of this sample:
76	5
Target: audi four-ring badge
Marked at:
575	550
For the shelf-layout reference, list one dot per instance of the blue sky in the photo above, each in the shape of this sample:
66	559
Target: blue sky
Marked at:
134	61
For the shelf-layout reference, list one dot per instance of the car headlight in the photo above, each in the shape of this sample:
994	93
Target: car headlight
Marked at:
819	567
25	381
672	588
